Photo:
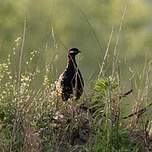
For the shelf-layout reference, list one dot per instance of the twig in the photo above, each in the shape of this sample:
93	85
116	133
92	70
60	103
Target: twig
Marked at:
91	27
118	37
106	53
21	57
125	94
139	112
17	113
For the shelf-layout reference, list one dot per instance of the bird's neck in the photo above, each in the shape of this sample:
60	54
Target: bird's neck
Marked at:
71	62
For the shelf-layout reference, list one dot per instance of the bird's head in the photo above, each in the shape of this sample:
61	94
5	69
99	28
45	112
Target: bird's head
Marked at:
73	51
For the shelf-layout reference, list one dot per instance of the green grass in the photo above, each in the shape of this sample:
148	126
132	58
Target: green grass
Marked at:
31	119
107	118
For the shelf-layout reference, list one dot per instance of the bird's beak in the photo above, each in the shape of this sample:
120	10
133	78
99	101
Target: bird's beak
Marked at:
79	51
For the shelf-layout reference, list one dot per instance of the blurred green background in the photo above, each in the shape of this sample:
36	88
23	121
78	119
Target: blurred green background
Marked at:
54	25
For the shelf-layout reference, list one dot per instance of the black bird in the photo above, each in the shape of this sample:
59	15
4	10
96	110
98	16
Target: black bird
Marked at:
70	83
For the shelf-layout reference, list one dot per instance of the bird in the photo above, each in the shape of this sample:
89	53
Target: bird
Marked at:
70	83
